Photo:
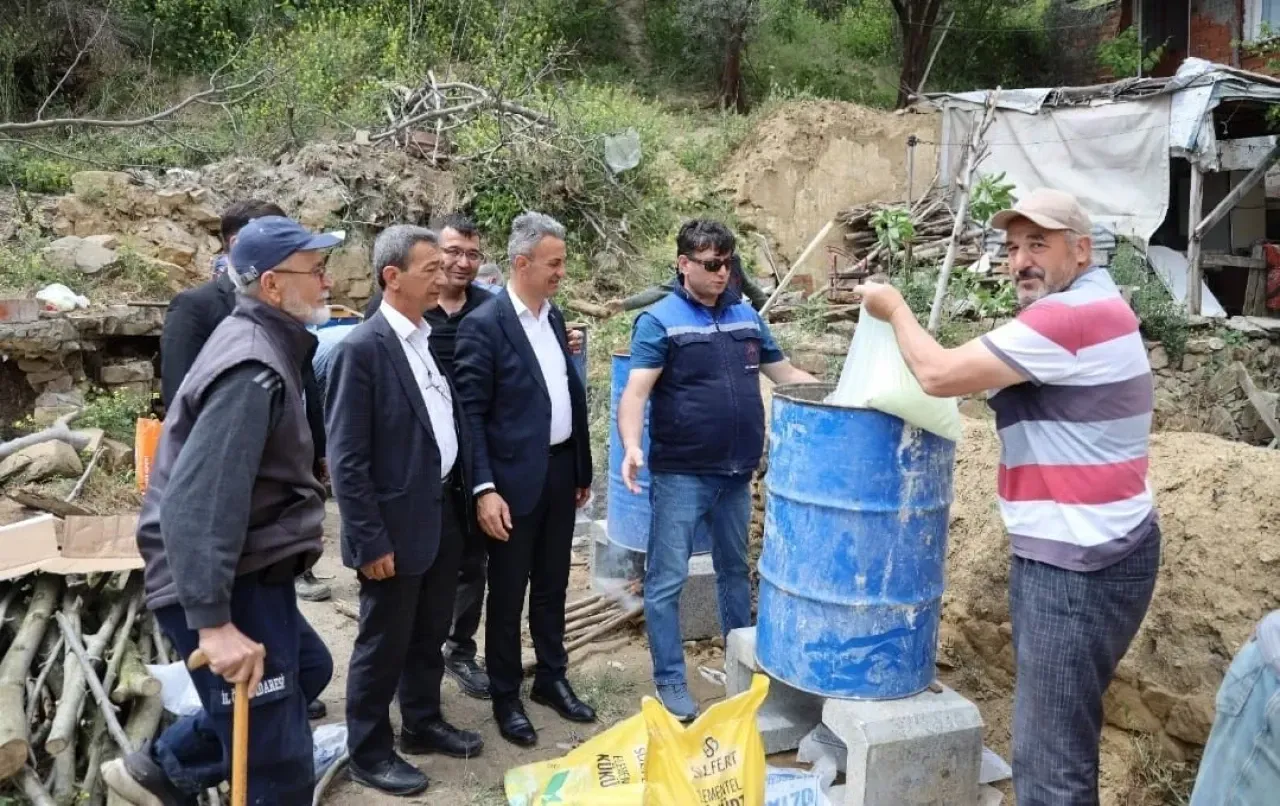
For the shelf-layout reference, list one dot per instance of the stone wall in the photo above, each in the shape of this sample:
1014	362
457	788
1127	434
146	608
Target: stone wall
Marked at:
62	356
1201	391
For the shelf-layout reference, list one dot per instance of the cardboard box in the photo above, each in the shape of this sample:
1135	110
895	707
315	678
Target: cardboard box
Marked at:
87	544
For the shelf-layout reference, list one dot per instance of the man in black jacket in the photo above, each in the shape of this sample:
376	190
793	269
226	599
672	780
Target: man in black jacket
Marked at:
528	415
190	320
232	513
400	464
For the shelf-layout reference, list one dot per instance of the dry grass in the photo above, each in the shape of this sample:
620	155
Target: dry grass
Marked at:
1157	779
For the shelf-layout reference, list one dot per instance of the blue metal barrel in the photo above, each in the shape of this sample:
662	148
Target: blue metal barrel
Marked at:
628	513
855	543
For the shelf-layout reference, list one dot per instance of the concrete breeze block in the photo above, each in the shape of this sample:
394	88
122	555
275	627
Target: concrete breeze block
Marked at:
788	714
925	749
612	564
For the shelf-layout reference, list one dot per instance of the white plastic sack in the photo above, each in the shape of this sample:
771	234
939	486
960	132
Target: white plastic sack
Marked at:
622	151
788	787
875	376
177	692
57	297
328	743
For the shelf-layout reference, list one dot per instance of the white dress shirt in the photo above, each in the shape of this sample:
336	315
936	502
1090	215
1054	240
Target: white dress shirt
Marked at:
414	340
555	370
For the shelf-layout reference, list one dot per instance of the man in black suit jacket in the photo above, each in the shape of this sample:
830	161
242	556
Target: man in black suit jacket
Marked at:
528	414
190	320
401	467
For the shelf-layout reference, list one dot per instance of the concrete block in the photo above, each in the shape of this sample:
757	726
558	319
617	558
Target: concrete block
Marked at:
919	750
699	607
788	714
612	565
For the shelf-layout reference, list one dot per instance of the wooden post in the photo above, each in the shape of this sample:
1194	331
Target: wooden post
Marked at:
795	267
911	166
973	155
1238	192
1195	241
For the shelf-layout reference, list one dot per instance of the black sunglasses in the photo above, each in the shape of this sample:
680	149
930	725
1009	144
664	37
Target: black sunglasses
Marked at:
713	265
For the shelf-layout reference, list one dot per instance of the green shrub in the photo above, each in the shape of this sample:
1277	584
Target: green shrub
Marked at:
1163	319
26	169
116	413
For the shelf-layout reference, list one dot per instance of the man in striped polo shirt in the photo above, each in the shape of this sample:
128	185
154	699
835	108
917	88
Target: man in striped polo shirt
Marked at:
1073	394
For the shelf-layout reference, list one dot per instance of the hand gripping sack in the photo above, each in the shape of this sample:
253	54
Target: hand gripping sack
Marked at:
875	376
608	770
716	761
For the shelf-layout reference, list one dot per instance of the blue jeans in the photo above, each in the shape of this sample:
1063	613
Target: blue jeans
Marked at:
680	504
1241	763
194	750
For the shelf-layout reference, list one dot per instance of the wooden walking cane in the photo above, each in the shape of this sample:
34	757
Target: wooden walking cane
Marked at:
239	735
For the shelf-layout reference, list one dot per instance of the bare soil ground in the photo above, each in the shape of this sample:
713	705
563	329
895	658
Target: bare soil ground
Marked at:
613	679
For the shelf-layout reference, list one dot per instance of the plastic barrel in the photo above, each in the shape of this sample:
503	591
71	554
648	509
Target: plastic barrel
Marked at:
627	514
855	543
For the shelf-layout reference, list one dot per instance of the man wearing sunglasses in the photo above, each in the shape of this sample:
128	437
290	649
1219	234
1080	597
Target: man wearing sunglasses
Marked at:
699	354
738	279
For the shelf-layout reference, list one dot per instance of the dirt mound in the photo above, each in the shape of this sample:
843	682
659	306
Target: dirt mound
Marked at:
1219	505
811	159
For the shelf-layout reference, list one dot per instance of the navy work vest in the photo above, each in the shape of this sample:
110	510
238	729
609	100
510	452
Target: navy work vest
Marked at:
707	416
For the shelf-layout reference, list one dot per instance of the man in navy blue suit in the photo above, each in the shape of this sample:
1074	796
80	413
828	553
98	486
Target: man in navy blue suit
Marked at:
399	455
532	454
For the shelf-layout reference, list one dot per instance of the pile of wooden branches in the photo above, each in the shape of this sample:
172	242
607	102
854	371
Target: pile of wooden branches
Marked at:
932	221
420	118
74	688
597	617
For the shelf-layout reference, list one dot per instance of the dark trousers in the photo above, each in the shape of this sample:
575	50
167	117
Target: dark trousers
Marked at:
469	599
536	554
195	752
1070	630
403	624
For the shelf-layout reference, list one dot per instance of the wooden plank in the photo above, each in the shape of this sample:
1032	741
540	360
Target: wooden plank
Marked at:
1258	402
34	499
1221	261
1237	193
1255	292
1243	153
1195	241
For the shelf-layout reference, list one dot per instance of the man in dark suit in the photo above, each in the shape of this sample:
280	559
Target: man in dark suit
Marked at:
528	416
400	467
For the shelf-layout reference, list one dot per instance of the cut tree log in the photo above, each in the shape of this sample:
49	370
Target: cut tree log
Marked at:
135	680
63	785
33	789
95	685
14	737
588	308
71	705
34	499
59	430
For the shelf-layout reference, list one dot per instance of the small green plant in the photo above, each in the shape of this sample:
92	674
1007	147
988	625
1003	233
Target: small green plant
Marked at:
116	413
25	169
1122	54
894	230
1162	318
990	195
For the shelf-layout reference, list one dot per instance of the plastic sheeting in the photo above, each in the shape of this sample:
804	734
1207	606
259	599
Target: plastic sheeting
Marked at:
1171	268
1113	157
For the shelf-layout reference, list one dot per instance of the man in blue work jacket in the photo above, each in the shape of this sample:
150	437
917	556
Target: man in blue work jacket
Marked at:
699	354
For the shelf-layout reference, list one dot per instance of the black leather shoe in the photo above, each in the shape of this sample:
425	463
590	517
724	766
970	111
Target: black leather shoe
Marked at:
560	697
316	710
470	676
513	724
440	737
395	776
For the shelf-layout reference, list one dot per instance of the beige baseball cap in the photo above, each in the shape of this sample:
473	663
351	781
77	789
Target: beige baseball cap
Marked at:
1051	209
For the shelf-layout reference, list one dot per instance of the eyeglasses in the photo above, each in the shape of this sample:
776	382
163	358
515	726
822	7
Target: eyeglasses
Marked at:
318	272
470	254
713	265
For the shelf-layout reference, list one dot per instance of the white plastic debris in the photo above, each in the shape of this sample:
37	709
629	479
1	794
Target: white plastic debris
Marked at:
821	745
622	151
177	692
784	787
994	768
713	676
328	743
57	297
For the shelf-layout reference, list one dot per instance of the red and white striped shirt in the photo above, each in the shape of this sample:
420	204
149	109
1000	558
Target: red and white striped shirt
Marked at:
1074	438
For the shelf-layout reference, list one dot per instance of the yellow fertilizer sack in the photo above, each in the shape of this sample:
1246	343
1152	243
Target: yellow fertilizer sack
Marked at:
716	761
608	770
